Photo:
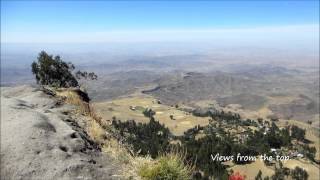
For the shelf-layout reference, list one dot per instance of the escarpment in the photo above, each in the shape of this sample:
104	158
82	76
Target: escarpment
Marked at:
44	138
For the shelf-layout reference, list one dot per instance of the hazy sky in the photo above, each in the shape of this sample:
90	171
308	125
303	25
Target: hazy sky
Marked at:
268	21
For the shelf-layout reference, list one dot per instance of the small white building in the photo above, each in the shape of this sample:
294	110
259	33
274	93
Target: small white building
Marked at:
273	150
300	155
132	108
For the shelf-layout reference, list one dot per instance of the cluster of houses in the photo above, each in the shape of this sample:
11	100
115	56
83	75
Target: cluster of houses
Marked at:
290	153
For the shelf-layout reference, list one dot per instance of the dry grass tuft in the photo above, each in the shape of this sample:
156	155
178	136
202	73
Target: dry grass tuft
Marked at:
129	160
80	99
96	132
72	96
169	166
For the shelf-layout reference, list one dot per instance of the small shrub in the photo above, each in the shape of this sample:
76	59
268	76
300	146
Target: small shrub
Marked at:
298	133
166	167
299	174
149	113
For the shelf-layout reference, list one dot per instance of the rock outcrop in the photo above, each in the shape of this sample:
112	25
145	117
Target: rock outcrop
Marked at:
40	140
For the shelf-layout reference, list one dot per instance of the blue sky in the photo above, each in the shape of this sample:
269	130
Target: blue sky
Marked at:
109	21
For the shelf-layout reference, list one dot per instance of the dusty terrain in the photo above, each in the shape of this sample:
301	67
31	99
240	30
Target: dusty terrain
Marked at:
39	140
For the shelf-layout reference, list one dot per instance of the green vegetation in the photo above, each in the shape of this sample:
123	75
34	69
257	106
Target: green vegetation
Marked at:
85	75
274	138
146	139
53	71
310	152
166	167
285	173
149	113
200	151
298	133
299	174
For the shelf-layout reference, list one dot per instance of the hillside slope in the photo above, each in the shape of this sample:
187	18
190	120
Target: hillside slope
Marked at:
39	140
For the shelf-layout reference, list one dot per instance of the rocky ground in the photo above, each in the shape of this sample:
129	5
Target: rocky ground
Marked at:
39	140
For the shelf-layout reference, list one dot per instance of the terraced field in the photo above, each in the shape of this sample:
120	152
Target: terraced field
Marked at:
120	108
